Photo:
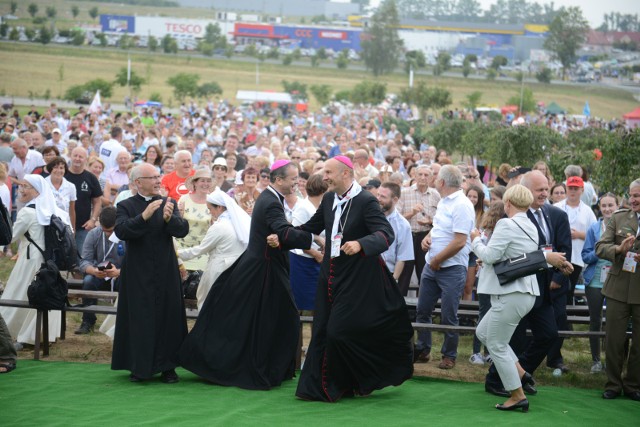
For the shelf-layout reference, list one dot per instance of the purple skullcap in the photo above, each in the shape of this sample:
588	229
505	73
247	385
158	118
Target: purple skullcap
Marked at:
279	163
344	160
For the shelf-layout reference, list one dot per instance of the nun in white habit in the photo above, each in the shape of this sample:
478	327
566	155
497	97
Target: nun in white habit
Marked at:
225	241
40	204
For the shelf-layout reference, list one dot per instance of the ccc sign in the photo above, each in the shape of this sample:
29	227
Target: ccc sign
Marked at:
303	33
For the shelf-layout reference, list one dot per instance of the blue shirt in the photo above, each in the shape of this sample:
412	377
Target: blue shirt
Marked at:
401	249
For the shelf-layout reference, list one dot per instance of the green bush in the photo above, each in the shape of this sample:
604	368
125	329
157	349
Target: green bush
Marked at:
342	95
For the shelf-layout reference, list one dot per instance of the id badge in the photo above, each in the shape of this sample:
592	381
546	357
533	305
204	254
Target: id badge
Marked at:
629	263
547	248
604	272
336	244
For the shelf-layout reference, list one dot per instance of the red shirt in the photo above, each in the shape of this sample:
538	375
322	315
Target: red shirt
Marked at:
174	185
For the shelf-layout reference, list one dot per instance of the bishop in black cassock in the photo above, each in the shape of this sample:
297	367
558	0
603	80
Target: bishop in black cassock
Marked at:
151	322
361	337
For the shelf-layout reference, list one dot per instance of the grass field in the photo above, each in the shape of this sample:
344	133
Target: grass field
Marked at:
32	69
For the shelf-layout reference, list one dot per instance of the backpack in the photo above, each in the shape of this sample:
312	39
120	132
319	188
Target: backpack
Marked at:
5	225
59	244
48	290
190	284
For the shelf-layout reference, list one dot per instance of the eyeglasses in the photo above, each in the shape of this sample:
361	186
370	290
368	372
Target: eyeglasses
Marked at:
156	178
217	168
265	176
25	187
296	158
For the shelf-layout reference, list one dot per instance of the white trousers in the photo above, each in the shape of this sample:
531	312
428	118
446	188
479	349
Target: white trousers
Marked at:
497	327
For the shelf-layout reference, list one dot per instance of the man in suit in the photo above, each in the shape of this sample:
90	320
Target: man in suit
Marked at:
554	234
620	244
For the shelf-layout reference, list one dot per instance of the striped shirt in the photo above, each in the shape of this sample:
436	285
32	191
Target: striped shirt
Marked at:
410	197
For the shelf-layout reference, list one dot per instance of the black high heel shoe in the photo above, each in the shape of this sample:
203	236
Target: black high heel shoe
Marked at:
523	404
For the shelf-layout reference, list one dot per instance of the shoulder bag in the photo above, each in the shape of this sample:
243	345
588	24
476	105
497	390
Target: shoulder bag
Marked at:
520	266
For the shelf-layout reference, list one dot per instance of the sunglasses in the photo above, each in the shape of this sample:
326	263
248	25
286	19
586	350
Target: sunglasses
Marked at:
265	176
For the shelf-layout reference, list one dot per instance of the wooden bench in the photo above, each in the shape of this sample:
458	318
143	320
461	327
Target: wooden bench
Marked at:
42	320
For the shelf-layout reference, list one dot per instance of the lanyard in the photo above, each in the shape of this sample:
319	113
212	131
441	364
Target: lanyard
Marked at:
104	245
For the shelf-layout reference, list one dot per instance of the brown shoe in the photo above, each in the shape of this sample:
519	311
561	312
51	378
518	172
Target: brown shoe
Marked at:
420	356
447	363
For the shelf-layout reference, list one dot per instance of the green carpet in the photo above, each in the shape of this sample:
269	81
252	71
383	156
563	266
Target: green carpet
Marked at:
59	393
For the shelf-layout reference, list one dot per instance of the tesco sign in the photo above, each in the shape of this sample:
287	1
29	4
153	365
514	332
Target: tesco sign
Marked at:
178	28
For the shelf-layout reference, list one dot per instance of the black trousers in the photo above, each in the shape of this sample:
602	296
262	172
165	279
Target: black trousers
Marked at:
418	262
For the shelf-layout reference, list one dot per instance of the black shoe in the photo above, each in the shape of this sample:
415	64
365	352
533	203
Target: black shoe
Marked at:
135	379
84	329
169	377
496	391
523	404
527	379
529	389
610	394
634	395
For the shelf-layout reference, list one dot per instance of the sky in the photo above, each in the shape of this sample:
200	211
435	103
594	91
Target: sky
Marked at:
593	10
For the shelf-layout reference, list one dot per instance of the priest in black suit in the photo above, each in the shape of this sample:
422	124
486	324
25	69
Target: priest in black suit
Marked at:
361	338
247	331
151	321
549	311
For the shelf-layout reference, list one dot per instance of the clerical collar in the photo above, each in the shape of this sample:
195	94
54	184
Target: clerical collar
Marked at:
277	193
148	198
346	192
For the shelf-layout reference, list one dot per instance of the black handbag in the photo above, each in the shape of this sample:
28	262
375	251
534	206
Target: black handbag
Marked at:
520	266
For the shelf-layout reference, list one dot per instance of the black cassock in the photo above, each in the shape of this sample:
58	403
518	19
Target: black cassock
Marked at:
151	322
246	334
361	337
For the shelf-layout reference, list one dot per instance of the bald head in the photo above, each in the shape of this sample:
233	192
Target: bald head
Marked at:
538	184
20	148
146	179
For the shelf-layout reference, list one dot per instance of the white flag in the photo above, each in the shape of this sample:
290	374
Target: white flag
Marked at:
96	105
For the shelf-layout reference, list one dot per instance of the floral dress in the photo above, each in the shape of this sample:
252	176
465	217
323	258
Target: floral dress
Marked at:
199	218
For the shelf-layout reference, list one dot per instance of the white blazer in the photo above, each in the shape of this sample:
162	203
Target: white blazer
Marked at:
507	241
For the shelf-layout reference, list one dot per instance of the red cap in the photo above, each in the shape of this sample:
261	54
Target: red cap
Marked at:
575	181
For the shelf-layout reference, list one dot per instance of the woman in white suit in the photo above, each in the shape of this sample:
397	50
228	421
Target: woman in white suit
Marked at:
511	238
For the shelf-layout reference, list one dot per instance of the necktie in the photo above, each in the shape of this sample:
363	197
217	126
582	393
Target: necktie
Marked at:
542	225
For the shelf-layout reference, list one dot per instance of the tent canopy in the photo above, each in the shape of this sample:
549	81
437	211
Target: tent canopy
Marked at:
554	108
256	96
509	109
634	115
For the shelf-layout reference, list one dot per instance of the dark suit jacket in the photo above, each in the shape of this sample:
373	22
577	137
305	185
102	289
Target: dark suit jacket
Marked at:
560	238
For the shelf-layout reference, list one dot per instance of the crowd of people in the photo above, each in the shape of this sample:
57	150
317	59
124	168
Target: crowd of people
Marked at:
331	212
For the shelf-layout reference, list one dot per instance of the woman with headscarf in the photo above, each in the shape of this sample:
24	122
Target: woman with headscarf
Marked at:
225	240
40	204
